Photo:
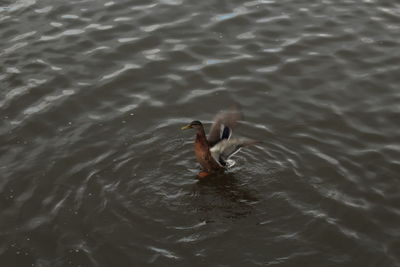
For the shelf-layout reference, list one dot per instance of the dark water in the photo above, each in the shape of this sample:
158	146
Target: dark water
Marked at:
95	171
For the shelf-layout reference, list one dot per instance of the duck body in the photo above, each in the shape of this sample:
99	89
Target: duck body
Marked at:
213	152
203	153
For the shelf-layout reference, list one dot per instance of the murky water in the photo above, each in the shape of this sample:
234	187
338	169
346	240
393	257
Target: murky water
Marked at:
96	172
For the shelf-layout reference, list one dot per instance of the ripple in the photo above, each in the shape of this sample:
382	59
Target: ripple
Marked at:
126	40
143	7
23	36
35	223
163	252
267	69
246	35
44	10
270	19
20	4
70	32
99	27
47	102
118	72
13	48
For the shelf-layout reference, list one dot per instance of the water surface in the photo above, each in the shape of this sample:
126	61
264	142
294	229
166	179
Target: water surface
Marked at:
95	171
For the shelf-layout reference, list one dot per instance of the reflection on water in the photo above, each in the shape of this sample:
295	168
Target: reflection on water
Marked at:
222	195
94	170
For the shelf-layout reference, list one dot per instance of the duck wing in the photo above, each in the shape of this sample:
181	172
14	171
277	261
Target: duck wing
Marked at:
223	150
223	124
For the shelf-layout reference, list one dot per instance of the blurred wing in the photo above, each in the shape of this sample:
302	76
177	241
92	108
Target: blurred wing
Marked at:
228	147
223	124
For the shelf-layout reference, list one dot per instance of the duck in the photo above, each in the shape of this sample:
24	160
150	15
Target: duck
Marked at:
213	152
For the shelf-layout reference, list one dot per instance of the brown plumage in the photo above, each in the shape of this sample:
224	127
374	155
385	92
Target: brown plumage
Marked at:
213	152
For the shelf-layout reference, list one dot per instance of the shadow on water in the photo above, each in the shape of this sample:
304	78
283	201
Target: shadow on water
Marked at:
223	196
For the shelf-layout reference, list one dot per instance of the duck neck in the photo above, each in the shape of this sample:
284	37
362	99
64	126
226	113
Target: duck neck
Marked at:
201	137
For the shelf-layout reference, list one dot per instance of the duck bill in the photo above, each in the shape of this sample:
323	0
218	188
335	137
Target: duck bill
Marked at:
186	127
